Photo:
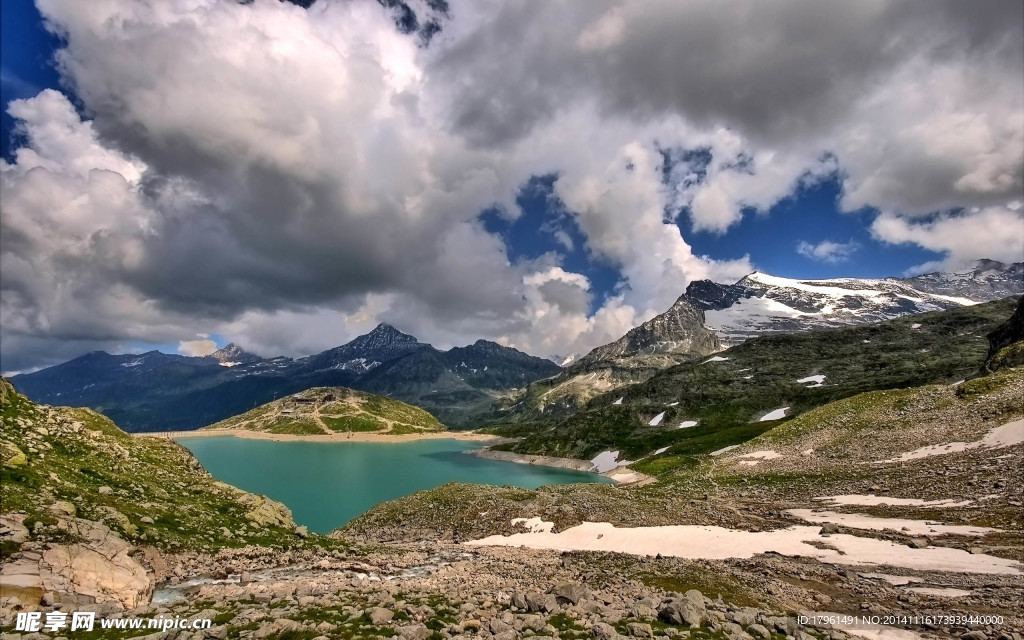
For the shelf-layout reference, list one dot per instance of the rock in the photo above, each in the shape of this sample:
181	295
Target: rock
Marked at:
506	635
262	511
696	598
65	507
278	627
570	592
604	631
541	602
470	625
380	616
918	543
104	490
534	622
12	527
639	630
744	617
519	600
759	631
733	630
302	531
974	635
498	626
414	632
681	611
226	533
97	569
12	456
829	527
146	520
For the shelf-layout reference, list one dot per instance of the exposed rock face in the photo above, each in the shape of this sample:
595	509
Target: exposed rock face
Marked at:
679	331
96	570
266	512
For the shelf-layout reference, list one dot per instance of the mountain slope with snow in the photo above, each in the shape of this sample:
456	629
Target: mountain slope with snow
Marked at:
760	303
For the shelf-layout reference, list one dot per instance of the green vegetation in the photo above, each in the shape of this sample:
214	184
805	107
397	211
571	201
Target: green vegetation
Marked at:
61	462
323	410
727	397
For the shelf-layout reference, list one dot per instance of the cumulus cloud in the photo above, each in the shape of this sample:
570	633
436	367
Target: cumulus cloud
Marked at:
288	177
827	251
992	232
202	346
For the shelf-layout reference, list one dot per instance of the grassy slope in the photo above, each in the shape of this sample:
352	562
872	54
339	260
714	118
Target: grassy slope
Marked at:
348	410
845	433
946	347
69	454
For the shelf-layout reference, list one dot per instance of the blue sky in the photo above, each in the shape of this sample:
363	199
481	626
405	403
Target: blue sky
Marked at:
262	238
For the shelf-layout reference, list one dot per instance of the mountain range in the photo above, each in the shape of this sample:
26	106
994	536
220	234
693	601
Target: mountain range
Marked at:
156	391
485	382
760	303
711	316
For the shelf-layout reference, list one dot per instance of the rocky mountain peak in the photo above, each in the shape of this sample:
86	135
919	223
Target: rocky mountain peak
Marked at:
384	333
234	353
678	331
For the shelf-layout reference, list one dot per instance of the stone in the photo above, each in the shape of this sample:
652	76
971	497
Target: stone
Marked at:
604	631
470	625
541	602
262	511
759	631
918	543
828	528
414	632
639	630
104	490
146	520
380	616
974	635
277	628
13	456
681	611
570	592
301	531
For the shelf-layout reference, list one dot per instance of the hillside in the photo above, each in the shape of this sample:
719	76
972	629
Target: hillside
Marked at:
702	406
330	410
156	391
78	491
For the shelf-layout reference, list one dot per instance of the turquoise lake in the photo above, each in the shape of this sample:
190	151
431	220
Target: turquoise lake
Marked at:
326	484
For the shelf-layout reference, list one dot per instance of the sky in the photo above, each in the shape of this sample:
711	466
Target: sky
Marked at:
286	175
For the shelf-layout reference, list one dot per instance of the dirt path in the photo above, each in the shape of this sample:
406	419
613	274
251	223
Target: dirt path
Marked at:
320	423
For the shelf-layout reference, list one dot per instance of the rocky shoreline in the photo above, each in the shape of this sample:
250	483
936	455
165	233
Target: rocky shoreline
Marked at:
358	436
619	475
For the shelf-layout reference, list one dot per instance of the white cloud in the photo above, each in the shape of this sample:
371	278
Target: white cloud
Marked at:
288	178
827	251
200	347
992	232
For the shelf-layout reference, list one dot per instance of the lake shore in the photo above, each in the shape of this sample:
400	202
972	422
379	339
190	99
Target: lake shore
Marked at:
364	436
619	475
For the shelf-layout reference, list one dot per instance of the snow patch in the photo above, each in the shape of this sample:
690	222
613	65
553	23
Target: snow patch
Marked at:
916	325
660	451
778	414
608	460
656	420
818	380
686	424
534	525
724	449
715	359
872	523
872	500
619	401
1008	435
717	543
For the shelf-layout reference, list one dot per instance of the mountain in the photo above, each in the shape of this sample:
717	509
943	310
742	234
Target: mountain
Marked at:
331	410
700	406
156	391
670	338
762	304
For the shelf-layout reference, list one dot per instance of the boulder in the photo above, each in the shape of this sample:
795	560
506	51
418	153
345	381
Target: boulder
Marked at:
380	616
570	592
414	632
639	630
680	611
541	602
263	512
96	570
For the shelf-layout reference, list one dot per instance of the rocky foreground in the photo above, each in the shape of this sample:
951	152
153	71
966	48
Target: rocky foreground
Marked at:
902	507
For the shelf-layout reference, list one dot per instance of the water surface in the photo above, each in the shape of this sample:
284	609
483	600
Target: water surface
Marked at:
326	484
